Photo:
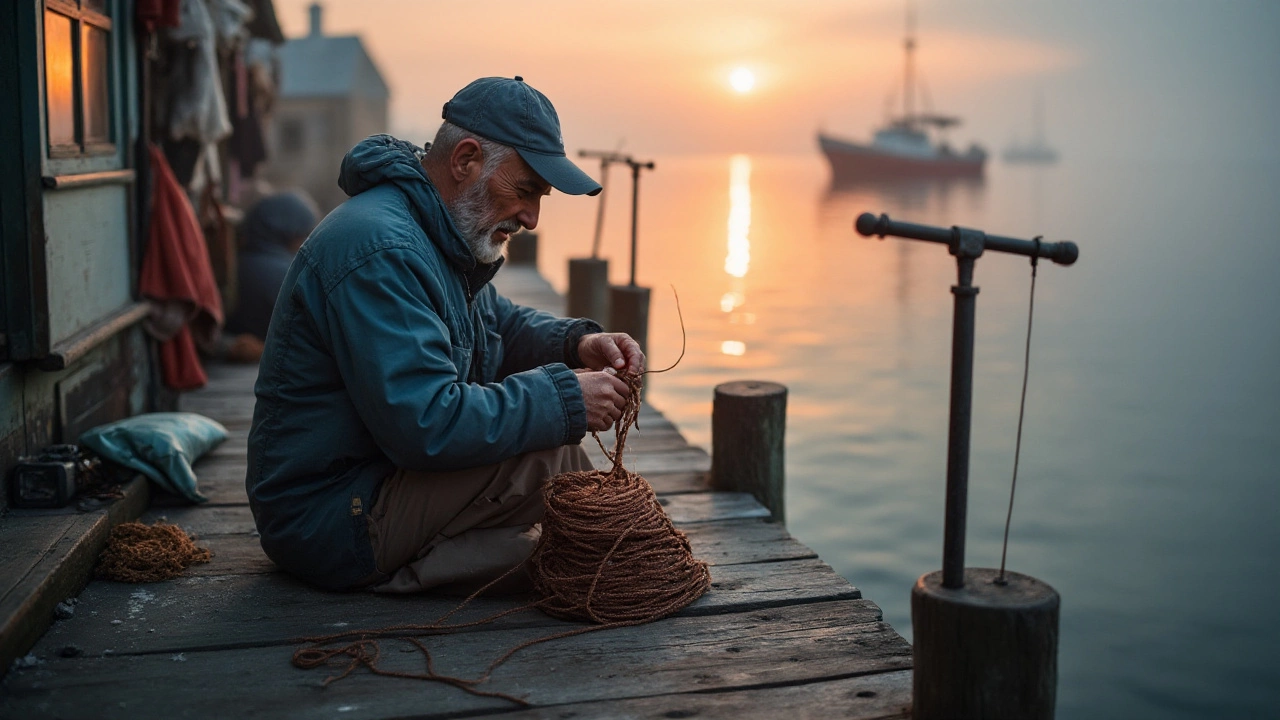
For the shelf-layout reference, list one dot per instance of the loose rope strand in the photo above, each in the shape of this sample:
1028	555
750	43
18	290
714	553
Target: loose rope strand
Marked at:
1022	409
615	457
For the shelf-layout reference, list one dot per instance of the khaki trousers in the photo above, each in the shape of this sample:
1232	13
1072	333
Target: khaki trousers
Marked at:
456	531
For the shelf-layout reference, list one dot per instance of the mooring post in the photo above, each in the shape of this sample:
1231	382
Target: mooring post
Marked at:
984	650
522	248
966	249
589	277
629	312
986	643
629	304
748	429
589	289
636	166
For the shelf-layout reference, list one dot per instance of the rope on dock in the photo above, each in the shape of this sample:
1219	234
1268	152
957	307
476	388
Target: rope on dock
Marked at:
608	555
140	553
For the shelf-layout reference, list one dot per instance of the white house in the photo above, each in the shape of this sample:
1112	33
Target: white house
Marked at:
331	96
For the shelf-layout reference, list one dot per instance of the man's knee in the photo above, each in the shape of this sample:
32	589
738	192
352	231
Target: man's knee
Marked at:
417	510
569	458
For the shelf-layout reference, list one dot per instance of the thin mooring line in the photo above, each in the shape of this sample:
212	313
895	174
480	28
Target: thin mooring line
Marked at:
1022	410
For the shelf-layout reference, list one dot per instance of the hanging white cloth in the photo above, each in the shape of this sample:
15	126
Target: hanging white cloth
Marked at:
197	107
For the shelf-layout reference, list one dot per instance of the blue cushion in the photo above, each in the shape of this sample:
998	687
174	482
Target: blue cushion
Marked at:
161	446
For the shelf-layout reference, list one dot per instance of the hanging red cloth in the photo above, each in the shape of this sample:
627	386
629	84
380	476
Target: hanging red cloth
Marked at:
176	272
158	13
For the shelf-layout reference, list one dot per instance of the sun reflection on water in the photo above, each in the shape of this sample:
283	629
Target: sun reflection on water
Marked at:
738	260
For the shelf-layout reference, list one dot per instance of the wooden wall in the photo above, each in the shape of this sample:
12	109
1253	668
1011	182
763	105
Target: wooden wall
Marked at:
40	408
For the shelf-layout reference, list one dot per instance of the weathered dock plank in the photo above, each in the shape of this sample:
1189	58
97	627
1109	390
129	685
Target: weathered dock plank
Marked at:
710	506
884	696
724	542
28	541
689	458
212	612
788	645
672	483
48	556
205	520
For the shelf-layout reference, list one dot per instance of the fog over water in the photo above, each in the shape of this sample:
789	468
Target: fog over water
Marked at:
1145	79
1148	485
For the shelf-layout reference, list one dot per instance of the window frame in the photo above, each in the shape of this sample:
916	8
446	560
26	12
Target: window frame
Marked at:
83	152
28	173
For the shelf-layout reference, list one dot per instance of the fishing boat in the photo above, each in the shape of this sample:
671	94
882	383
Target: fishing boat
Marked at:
906	147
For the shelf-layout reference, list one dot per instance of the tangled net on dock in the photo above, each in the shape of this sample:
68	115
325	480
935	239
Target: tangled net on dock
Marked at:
608	555
140	553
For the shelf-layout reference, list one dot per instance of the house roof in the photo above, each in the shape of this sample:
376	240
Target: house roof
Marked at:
329	66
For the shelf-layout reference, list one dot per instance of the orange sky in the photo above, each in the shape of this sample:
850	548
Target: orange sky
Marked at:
655	74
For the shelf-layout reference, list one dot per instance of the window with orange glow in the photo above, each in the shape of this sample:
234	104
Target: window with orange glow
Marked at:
93	70
77	80
59	79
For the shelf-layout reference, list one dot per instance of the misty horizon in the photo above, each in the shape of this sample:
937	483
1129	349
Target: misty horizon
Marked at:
1140	81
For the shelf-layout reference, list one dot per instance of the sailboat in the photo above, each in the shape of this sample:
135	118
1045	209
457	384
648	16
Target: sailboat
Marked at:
1036	152
903	148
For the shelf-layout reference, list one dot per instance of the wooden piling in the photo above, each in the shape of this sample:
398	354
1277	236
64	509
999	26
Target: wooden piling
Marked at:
522	248
629	312
589	289
748	427
985	650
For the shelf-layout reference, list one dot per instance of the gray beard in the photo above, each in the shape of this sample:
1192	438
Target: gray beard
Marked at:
470	213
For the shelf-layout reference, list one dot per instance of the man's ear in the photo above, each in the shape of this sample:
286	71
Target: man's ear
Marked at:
466	160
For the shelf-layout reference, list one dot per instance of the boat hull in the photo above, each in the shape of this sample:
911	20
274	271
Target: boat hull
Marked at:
851	162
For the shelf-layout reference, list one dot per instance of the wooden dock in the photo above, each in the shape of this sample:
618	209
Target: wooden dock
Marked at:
779	634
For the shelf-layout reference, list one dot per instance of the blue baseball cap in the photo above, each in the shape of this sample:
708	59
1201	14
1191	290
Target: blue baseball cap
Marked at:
512	113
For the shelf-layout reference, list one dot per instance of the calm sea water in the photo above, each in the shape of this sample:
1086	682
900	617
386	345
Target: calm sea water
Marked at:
1151	454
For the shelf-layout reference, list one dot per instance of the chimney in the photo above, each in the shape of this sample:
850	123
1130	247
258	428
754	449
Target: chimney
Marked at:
316	11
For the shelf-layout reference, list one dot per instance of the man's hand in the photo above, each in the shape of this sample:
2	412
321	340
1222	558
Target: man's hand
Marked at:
605	396
611	350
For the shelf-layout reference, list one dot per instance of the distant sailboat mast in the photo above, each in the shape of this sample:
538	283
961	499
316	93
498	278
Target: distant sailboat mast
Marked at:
1037	121
908	85
1037	151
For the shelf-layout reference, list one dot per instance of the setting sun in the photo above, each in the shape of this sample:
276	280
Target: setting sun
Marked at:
742	80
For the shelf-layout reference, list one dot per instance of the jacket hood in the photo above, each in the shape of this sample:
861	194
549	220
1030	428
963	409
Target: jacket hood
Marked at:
382	159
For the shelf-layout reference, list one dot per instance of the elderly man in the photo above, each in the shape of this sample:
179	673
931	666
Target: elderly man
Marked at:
407	414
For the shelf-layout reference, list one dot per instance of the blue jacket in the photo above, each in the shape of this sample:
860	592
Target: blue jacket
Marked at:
389	348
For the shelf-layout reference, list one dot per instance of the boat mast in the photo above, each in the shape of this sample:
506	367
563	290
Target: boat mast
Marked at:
1037	121
908	93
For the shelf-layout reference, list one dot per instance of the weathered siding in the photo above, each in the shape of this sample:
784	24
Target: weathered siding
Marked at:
13	441
66	256
39	408
86	256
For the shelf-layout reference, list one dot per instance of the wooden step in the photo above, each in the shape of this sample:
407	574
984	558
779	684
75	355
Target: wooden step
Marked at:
48	557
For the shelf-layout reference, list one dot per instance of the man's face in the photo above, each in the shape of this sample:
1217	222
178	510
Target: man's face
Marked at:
491	208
